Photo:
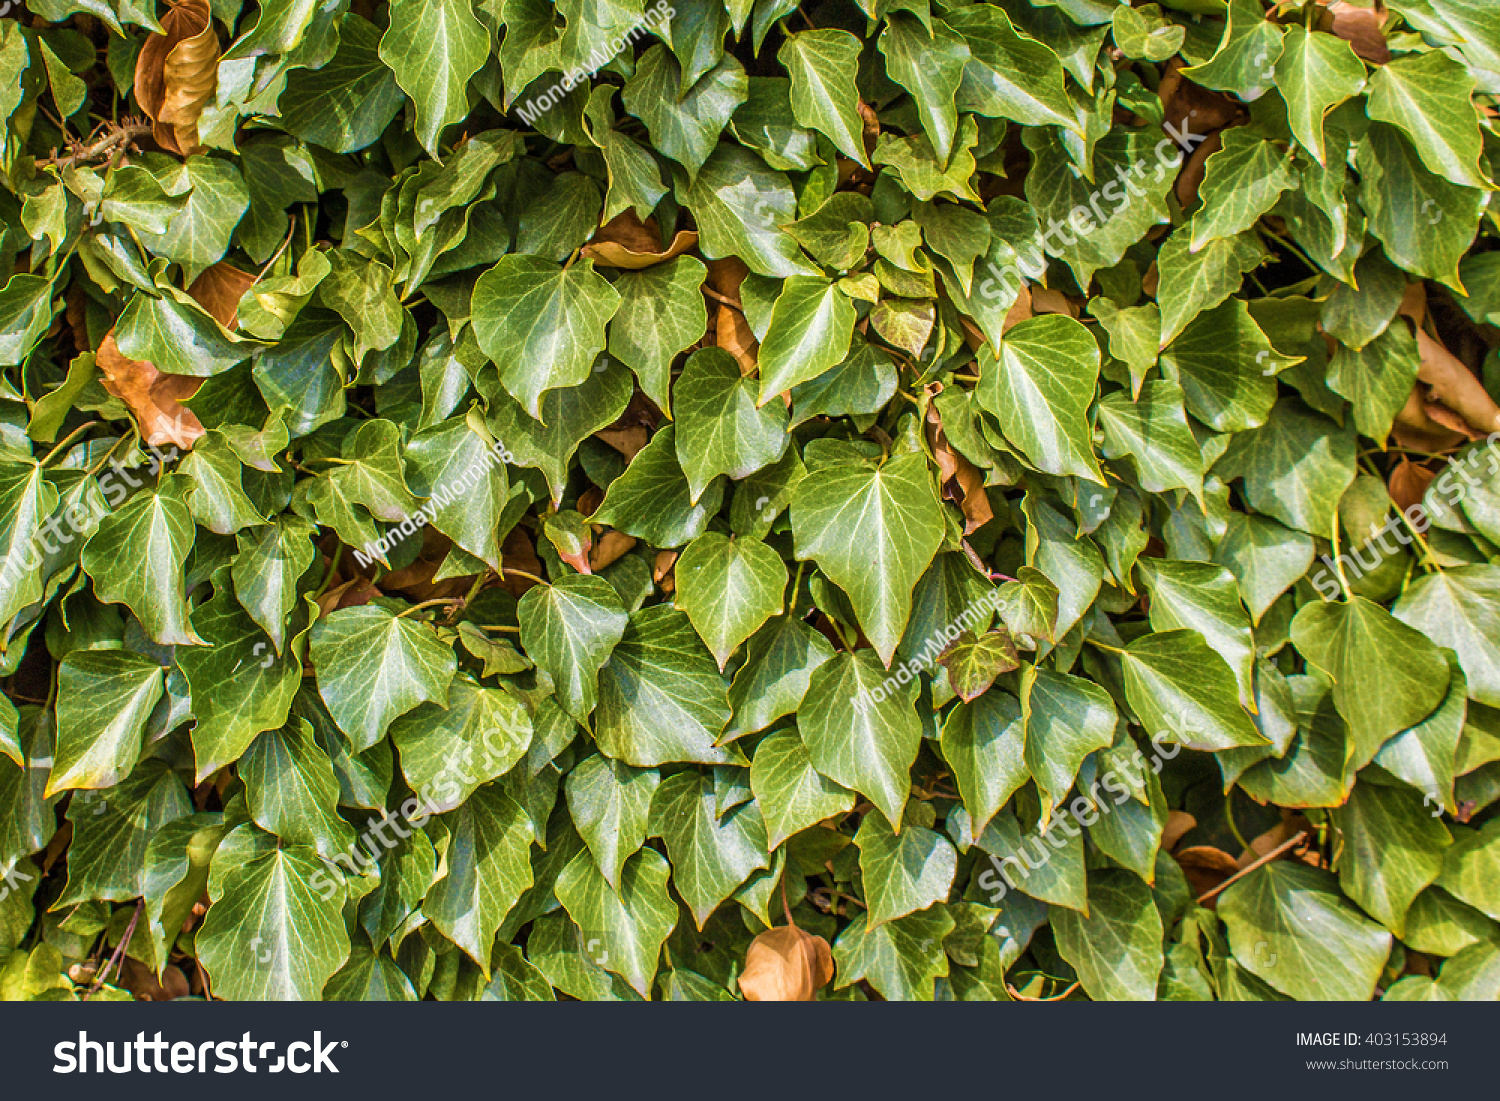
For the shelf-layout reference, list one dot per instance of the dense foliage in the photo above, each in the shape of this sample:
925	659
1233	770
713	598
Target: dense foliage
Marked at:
504	500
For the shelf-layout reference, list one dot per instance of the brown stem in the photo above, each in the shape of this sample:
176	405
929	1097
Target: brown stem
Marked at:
106	144
1272	855
119	950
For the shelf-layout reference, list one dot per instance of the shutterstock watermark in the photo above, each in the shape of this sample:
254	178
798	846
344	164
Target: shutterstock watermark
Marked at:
184	1057
532	108
1414	520
1085	220
967	620
443	496
1087	809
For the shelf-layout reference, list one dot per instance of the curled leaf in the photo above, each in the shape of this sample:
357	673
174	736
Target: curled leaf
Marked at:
786	965
177	72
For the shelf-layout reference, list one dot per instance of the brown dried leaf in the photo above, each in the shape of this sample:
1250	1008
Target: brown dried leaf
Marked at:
1453	384
1418	429
1205	867
662	573
627	242
732	333
218	290
1362	28
626	439
176	74
153	397
786	965
961	480
1279	834
1191	176
1019	311
517	553
1178	824
610	547
1408	483
726	275
1047	300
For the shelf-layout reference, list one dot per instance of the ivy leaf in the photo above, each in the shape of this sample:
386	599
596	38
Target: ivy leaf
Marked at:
1200	597
974	661
448	751
874	753
136	556
1424	221
791	793
1009	75
719	428
1153	431
1460	609
823	65
873	530
269	933
373	666
772	682
569	628
1395	850
346	104
1065	719
1116	946
1289	925
1185	691
291	791
488	870
568	418
928	63
611	803
740	205
729	587
1376	379
629	925
661	312
684	127
1386	676
984	743
103	700
434	47
1296	466
811	326
711	855
1040	386
1242	181
466	483
238	688
653	501
1226	368
902	959
1430	97
1192	282
902	872
541	325
661	696
1315	73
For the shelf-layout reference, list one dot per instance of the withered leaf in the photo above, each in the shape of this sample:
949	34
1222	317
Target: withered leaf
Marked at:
786	965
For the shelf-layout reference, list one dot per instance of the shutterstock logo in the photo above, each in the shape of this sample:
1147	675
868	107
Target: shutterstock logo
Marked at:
146	1056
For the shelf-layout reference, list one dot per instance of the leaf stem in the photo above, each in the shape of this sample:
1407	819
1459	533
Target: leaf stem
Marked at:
1338	564
1248	868
429	604
333	568
119	950
523	573
71	436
